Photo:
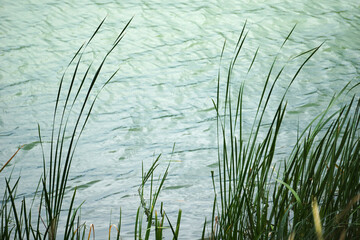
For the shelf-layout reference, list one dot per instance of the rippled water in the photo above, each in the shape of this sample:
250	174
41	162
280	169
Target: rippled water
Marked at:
168	61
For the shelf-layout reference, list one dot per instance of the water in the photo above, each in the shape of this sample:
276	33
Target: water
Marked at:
168	62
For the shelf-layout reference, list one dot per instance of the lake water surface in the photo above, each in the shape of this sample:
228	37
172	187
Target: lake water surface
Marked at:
169	60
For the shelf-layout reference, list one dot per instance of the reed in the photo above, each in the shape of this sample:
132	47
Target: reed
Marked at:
66	131
76	92
313	193
258	197
154	221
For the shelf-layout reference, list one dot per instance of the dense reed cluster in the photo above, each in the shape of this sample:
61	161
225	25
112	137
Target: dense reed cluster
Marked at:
260	198
313	193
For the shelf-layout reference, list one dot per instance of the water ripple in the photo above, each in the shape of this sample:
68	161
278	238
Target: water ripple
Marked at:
169	61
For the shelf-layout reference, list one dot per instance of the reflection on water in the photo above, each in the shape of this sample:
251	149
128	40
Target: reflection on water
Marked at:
162	95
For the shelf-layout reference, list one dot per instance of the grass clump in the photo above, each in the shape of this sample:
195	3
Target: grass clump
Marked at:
313	193
24	222
64	139
259	197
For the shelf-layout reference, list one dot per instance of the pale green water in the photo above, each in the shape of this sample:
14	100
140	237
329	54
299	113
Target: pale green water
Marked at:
169	60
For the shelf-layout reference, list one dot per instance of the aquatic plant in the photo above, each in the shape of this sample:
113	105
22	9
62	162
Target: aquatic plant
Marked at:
49	195
313	193
259	197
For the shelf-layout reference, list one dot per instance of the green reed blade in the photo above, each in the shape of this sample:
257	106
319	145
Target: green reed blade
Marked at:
288	36
17	221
